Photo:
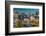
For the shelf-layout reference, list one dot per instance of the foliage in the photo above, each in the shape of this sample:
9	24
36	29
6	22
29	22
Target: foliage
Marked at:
18	24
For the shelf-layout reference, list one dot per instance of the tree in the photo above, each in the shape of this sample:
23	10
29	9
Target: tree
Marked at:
37	13
19	24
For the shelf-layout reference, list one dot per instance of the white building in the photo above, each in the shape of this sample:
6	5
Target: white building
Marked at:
32	18
26	20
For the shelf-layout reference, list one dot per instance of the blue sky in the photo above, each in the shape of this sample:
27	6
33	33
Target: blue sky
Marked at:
26	10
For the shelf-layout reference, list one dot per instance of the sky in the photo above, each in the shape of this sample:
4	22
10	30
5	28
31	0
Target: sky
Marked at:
25	10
